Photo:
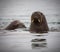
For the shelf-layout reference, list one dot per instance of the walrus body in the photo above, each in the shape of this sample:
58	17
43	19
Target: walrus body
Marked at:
15	24
38	23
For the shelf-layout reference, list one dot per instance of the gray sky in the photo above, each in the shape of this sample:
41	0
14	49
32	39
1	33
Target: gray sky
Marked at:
26	7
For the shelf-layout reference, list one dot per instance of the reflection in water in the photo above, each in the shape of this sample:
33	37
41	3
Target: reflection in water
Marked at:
38	40
38	43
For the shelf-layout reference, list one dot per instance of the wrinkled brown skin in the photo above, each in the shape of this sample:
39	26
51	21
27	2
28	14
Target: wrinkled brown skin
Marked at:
14	25
36	26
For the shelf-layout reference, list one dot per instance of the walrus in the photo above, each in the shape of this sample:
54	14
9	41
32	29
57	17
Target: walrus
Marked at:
38	23
14	25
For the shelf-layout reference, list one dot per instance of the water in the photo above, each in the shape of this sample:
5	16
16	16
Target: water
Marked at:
52	22
24	41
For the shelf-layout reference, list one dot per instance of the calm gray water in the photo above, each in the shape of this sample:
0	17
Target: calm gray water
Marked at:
24	41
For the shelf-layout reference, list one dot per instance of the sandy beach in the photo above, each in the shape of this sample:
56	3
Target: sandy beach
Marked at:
24	41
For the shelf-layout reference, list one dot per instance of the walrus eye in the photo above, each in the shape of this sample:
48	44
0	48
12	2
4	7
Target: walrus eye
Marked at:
33	20
38	20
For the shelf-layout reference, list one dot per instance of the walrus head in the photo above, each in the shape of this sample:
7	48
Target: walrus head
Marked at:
36	18
38	23
14	25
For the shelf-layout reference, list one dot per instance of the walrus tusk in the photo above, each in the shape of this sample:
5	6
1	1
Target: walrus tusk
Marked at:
32	20
39	20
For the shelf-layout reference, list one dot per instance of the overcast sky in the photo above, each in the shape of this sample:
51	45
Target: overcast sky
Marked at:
26	7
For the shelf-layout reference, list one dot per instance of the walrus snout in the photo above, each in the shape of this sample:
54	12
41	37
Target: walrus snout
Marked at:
36	19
